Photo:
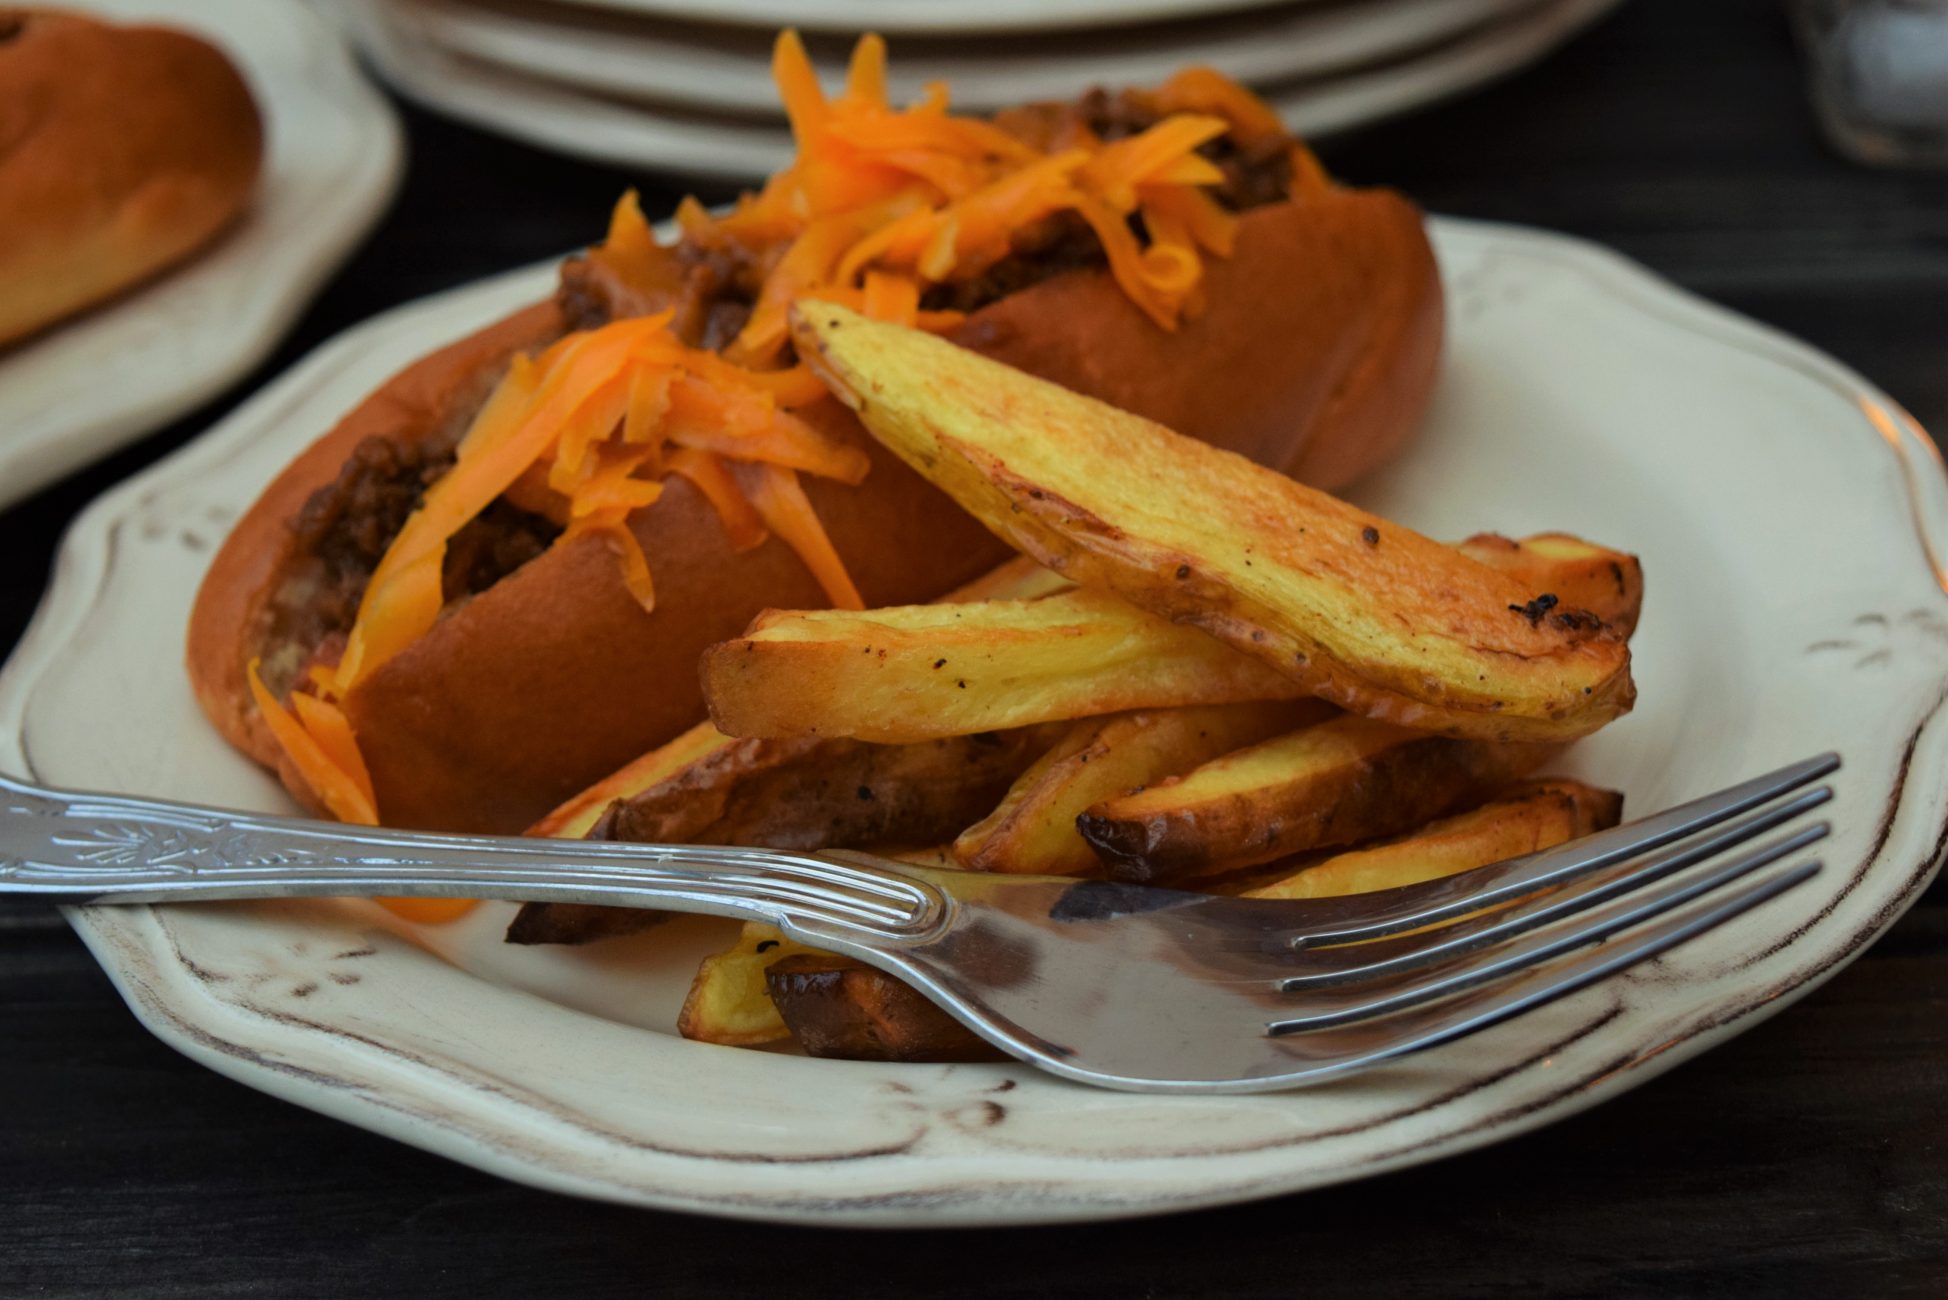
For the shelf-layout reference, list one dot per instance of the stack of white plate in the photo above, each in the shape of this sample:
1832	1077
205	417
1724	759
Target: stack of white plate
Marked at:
685	85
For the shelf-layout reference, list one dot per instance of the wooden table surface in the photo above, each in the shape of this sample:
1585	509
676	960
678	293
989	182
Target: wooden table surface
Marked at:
1809	1157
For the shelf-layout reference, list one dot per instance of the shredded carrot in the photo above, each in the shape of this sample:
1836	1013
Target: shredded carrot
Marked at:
1117	169
798	86
1196	213
781	499
921	192
346	794
893	298
865	78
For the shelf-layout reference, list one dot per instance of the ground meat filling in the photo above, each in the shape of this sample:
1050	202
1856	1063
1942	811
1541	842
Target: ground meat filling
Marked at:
344	529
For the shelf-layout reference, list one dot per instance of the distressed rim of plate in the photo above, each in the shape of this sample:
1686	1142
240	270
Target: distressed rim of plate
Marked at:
299	271
482	1127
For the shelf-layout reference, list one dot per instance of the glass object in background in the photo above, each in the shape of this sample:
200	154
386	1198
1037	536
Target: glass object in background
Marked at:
1879	73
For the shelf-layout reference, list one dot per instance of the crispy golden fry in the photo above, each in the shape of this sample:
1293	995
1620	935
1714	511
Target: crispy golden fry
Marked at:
1578	574
919	671
1367	614
1522	819
1034	829
838	1007
728	1002
1341	781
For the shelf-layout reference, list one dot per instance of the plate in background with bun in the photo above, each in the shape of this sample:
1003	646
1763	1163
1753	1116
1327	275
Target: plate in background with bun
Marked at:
159	254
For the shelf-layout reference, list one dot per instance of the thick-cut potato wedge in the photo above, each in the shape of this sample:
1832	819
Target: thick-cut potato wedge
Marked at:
1524	818
1578	574
728	1002
803	794
1365	613
838	1007
1034	829
916	672
829	794
1341	781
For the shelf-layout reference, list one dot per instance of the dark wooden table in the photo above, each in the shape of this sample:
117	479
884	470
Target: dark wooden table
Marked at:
1809	1157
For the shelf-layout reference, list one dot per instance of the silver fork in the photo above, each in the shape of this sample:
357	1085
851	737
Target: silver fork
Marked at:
1121	986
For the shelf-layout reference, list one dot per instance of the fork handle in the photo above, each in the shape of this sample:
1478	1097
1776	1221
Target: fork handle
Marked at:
71	847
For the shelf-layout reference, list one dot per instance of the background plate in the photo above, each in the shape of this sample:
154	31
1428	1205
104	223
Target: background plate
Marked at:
332	159
664	136
1580	393
728	69
937	16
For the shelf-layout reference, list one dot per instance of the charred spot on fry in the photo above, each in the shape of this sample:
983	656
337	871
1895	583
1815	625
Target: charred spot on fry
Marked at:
1535	609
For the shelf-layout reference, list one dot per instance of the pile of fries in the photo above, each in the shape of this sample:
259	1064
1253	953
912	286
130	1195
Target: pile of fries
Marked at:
1200	675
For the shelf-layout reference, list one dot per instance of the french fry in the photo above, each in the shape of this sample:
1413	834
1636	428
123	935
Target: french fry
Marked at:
1364	613
728	1002
577	923
1340	781
838	1007
830	794
1525	818
1578	574
1034	829
917	672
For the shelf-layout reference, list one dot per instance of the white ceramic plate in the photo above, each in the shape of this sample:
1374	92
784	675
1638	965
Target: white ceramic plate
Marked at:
1790	519
728	69
332	159
666	137
938	17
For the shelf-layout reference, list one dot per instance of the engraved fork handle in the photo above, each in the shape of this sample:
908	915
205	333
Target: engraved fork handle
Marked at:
69	847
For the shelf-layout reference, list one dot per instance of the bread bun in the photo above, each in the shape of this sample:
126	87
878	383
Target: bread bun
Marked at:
122	151
1315	353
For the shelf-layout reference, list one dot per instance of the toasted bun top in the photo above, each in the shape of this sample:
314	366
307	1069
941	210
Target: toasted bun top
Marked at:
122	150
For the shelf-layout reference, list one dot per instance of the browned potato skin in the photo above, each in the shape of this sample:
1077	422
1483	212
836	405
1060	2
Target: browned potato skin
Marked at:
1522	818
577	923
1367	614
1034	829
829	794
1355	780
800	794
837	1007
1579	574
